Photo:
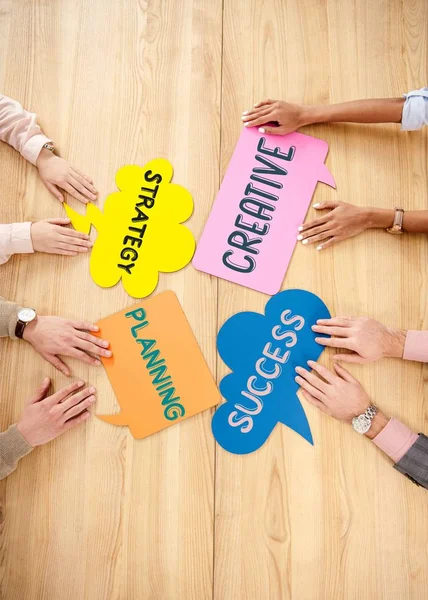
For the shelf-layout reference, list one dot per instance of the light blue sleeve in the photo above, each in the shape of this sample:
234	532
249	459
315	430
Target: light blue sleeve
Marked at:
415	110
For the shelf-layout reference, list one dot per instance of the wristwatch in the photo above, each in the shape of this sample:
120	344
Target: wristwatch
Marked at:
50	147
25	316
397	225
363	422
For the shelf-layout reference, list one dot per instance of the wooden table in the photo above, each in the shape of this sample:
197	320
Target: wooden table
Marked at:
96	515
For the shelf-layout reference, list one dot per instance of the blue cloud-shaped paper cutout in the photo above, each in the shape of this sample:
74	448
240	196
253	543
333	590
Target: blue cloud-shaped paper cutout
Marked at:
262	352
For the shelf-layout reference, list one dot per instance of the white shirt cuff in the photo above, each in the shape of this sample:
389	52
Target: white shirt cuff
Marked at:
32	148
21	238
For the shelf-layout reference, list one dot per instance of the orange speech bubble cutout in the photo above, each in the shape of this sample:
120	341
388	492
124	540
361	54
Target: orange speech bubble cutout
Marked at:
157	370
140	232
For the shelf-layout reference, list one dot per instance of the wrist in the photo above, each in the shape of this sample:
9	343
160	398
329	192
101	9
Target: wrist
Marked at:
313	114
26	434
379	421
29	331
44	155
379	218
395	344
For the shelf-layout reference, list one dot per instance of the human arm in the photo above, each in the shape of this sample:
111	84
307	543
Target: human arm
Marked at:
367	340
53	336
411	111
50	236
19	129
44	418
341	396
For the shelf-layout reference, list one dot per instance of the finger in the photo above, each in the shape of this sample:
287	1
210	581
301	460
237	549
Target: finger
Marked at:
311	378
272	130
58	221
84	326
334	342
337	321
92	348
323	371
85	177
57	363
314	239
339	331
64	392
54	190
305	385
330	242
64	252
312	400
74	399
309	233
260	118
70	189
255	111
264	103
325	205
80	187
79	408
70	247
73	233
76	421
93	339
74	241
314	223
343	373
41	392
84	181
350	358
89	360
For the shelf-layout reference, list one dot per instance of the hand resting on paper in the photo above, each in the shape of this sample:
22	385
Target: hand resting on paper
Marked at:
51	236
337	394
366	340
288	116
46	417
51	336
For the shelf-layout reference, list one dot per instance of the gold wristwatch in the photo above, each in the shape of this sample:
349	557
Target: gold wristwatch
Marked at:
397	225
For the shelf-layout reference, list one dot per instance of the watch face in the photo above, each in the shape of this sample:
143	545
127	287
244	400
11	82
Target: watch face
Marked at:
26	315
361	424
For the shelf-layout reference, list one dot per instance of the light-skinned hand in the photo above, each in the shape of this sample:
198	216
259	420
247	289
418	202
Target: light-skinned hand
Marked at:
46	417
56	172
366	339
343	221
337	394
53	237
51	336
288	116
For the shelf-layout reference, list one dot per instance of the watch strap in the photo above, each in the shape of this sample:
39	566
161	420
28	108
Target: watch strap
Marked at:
19	329
397	225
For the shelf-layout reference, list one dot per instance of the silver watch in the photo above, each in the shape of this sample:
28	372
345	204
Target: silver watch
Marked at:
363	422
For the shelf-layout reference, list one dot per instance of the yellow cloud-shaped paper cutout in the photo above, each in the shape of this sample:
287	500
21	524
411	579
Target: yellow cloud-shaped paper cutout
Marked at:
140	232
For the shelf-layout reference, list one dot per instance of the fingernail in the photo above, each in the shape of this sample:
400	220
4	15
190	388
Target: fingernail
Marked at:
316	205
105	344
245	112
91	398
314	327
296	379
46	379
262	130
86	237
91	390
79	383
304	241
297	369
243	118
107	352
319	247
97	363
246	124
300	228
300	237
311	362
95	328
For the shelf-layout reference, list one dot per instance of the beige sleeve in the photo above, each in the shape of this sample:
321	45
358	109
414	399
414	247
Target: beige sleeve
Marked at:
8	314
13	447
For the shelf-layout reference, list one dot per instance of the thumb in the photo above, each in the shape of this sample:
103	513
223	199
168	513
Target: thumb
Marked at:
324	205
57	363
349	358
59	221
54	190
271	130
41	393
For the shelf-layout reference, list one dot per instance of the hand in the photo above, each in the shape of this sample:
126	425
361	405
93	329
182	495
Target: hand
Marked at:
46	417
367	339
339	395
343	221
58	173
288	116
51	336
51	236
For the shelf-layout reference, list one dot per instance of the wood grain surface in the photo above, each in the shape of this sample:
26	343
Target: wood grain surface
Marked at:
96	515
